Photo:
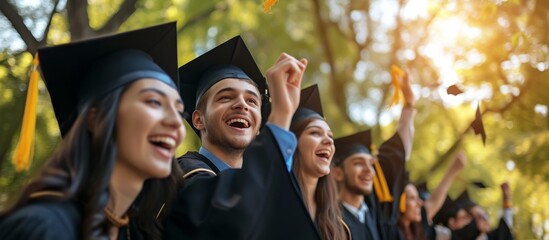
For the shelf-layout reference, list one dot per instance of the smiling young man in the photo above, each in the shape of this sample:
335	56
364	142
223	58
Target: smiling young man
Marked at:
374	216
238	185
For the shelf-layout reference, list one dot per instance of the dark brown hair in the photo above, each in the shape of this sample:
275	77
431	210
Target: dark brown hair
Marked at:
328	214
81	170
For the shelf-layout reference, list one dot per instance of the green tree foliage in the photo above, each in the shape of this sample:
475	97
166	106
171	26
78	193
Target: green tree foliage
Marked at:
496	51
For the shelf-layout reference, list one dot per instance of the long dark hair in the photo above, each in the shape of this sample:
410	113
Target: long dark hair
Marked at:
81	169
328	214
414	231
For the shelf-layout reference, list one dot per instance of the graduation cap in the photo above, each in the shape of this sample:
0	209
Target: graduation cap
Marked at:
478	126
464	200
309	105
479	184
423	191
448	210
231	59
454	90
77	73
356	143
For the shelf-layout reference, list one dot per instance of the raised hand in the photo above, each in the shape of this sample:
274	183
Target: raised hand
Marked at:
405	83
459	161
284	80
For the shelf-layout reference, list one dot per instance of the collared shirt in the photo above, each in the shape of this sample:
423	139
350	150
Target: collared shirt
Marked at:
359	213
222	166
287	143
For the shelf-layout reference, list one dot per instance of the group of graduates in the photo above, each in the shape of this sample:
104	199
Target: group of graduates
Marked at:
268	166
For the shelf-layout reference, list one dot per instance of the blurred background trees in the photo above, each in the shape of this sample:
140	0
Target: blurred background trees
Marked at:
497	51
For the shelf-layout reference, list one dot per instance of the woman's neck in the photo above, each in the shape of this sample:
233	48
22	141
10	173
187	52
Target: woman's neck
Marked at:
309	185
124	187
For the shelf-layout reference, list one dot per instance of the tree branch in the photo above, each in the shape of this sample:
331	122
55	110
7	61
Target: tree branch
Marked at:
221	6
17	22
338	90
127	8
47	29
79	24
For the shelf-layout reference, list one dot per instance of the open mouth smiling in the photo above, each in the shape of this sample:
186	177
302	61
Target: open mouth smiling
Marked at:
164	142
238	123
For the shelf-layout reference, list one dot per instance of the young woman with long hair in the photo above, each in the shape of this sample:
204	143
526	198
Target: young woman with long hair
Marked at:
119	112
311	165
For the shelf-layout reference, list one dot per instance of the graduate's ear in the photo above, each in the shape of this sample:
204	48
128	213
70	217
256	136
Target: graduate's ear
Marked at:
338	173
92	114
198	120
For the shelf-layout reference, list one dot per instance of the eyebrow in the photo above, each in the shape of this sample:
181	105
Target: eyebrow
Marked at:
230	89
160	92
319	127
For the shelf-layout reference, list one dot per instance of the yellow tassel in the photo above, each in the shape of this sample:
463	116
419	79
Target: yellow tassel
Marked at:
24	150
268	4
396	73
402	203
373	150
383	194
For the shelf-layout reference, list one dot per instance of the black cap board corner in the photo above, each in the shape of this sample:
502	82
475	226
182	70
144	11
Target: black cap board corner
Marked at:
359	142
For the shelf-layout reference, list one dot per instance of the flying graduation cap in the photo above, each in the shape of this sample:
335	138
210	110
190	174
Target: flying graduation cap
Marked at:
231	59
478	126
454	90
359	142
309	105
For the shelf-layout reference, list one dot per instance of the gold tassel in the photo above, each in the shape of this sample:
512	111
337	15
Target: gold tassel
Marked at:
383	194
402	203
24	151
268	4
396	73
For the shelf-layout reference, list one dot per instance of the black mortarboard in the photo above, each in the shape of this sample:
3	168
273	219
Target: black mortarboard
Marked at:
478	126
454	90
309	105
231	59
448	210
423	191
464	201
76	73
356	143
479	184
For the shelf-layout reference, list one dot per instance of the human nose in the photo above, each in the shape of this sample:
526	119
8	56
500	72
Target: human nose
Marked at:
240	104
327	140
173	118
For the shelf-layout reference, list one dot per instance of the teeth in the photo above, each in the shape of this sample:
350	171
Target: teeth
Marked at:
168	141
323	152
240	120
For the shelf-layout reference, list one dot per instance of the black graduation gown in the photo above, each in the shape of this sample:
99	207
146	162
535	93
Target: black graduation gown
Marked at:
258	201
392	159
502	232
42	220
360	231
429	230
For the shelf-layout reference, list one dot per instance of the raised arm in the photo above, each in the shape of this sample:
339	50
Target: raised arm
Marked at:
405	126
434	203
284	80
507	210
